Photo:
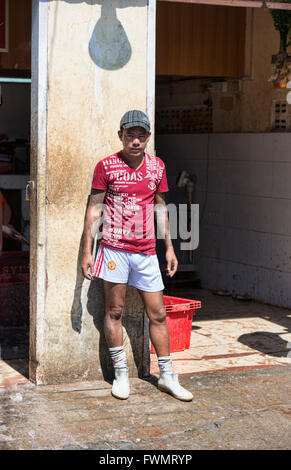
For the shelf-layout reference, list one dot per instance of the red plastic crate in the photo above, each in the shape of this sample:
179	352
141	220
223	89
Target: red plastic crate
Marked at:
179	319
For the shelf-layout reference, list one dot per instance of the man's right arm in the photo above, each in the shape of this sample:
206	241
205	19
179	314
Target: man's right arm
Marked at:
91	226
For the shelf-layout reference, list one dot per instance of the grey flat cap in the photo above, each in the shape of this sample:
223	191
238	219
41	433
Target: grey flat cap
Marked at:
135	118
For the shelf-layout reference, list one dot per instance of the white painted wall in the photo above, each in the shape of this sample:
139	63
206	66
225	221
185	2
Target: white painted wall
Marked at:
245	232
89	67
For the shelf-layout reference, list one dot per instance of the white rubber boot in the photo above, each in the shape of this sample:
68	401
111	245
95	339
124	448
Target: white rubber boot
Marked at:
120	386
169	382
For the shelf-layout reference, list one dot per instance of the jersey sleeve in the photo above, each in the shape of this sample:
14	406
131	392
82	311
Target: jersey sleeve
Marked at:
163	184
99	177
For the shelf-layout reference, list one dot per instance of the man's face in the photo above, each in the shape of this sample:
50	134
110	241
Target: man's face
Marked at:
134	141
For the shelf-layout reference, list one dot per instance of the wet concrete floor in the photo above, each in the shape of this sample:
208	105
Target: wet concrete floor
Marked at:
230	334
248	409
238	369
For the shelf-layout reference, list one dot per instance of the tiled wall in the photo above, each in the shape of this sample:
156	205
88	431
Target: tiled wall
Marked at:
243	181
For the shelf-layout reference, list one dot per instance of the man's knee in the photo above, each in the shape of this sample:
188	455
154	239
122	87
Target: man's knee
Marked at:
114	311
158	315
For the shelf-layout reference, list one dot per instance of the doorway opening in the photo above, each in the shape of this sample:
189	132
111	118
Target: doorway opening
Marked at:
203	58
15	116
222	117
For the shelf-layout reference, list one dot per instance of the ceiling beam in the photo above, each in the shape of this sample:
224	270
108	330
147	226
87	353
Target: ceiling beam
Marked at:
238	3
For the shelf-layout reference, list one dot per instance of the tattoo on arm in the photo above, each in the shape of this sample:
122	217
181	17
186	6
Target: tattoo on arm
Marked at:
94	213
162	219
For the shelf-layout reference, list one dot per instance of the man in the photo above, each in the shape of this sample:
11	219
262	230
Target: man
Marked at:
130	183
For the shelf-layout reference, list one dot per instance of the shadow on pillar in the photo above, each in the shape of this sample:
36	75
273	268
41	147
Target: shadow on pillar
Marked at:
132	322
135	336
109	47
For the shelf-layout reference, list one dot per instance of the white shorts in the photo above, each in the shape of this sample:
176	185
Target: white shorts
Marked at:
134	269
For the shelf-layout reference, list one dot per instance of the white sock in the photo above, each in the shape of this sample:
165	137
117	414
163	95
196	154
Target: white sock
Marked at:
165	364
118	357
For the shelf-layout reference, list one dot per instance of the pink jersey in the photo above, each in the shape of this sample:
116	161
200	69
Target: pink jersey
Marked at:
128	223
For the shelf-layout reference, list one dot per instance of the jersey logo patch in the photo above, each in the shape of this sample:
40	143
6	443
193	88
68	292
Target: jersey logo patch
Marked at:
152	185
111	265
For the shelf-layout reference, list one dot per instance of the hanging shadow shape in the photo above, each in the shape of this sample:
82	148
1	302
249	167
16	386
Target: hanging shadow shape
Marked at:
109	46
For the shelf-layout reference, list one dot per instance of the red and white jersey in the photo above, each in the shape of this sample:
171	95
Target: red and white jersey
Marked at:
128	223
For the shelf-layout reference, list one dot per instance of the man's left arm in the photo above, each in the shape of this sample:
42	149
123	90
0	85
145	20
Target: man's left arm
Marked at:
163	226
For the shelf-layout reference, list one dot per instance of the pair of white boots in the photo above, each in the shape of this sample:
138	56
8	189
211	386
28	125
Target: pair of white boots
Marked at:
168	382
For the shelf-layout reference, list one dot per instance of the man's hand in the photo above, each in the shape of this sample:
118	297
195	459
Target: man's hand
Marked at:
172	262
91	226
88	262
10	232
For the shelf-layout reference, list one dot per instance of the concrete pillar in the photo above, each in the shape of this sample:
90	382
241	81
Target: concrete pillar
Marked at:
89	67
